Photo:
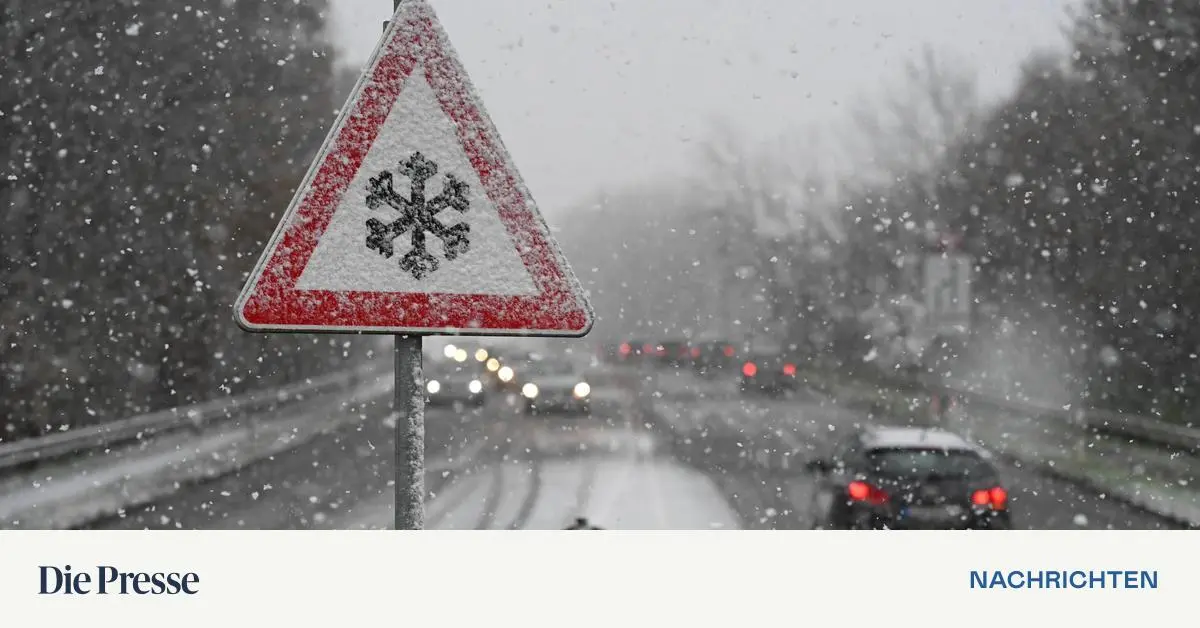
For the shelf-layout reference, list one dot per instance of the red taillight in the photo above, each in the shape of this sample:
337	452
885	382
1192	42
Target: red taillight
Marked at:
789	369
625	348
996	497
647	348
728	352
749	369
862	492
695	352
999	497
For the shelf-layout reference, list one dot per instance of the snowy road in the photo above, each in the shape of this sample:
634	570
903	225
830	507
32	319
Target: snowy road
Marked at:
487	469
666	460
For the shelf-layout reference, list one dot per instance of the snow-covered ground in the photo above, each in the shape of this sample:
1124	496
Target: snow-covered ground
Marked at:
655	458
623	486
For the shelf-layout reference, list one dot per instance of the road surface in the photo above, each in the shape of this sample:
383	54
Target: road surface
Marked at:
661	457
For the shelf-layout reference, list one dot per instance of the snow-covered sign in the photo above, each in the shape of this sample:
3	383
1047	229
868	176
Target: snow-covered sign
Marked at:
948	293
413	218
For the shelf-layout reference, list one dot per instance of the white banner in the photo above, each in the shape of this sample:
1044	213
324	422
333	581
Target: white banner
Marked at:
609	579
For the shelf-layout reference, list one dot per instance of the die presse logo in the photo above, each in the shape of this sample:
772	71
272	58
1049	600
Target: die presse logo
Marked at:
107	580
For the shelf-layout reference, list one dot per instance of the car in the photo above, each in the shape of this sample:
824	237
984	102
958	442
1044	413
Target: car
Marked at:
673	352
639	351
611	352
554	385
908	478
453	384
712	357
768	371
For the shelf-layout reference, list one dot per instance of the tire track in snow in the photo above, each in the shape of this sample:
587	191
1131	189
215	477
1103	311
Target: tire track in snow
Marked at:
487	519
583	494
465	484
531	498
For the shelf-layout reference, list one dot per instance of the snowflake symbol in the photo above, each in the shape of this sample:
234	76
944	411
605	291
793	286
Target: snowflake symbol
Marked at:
418	215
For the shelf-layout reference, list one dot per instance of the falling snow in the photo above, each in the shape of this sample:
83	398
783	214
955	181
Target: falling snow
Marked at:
1006	271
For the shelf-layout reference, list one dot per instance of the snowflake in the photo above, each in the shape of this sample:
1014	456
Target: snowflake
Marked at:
418	216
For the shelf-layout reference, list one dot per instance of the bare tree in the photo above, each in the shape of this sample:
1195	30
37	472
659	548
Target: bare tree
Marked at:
925	113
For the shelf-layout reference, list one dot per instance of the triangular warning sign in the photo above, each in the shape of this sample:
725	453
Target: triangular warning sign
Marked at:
413	218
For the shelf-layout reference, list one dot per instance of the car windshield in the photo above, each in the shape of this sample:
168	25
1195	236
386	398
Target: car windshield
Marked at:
925	463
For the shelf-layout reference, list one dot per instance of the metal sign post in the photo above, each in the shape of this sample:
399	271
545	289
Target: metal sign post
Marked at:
410	434
409	406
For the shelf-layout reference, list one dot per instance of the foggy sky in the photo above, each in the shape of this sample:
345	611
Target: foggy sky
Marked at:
593	93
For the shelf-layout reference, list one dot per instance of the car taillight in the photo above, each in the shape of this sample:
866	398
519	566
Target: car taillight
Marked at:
749	369
860	491
996	497
695	352
625	348
728	352
647	348
789	369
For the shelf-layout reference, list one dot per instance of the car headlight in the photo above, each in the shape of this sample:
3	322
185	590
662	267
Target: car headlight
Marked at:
582	389
433	386
475	387
530	390
506	374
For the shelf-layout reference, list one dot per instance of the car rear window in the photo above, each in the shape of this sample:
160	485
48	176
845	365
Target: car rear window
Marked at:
916	462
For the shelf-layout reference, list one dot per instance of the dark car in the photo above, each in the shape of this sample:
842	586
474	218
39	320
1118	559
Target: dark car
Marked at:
555	385
713	357
453	384
673	353
908	478
638	351
768	372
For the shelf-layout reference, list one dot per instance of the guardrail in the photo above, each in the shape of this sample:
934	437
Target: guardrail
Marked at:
195	417
1141	428
1134	427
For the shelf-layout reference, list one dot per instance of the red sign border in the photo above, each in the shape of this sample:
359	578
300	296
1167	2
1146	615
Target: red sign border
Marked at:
270	301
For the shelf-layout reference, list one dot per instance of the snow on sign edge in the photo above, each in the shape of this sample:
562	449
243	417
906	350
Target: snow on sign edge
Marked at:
572	302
